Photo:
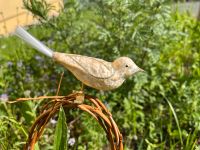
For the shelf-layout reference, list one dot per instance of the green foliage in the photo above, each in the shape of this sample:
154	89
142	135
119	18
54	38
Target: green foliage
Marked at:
39	8
60	139
12	132
191	141
165	44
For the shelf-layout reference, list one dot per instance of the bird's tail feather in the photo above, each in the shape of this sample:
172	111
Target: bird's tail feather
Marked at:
23	34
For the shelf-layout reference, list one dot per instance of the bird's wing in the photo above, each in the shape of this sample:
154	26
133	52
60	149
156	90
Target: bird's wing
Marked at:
95	67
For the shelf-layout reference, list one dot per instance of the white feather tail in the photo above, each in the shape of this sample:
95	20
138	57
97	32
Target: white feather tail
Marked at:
23	34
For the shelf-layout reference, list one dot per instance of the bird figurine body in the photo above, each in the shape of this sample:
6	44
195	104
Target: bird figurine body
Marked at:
93	72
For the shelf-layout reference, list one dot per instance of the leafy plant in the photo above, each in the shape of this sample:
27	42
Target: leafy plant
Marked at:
60	139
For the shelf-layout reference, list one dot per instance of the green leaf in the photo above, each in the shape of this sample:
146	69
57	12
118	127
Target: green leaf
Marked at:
36	146
176	119
60	138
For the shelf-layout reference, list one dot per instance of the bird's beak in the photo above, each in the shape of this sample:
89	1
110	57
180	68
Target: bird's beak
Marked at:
140	70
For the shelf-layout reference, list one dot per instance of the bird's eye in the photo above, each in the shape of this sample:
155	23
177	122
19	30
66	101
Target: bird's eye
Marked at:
126	66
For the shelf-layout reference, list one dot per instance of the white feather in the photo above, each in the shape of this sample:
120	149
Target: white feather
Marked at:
23	34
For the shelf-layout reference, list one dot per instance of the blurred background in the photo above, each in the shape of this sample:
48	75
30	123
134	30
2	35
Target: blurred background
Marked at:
155	110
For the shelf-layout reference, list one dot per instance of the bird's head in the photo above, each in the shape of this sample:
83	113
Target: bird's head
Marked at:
126	66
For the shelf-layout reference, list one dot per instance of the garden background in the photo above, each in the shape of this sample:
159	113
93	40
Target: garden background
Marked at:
158	109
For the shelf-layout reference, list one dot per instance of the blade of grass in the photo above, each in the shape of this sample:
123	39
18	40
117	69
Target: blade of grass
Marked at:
191	140
60	139
36	146
176	119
